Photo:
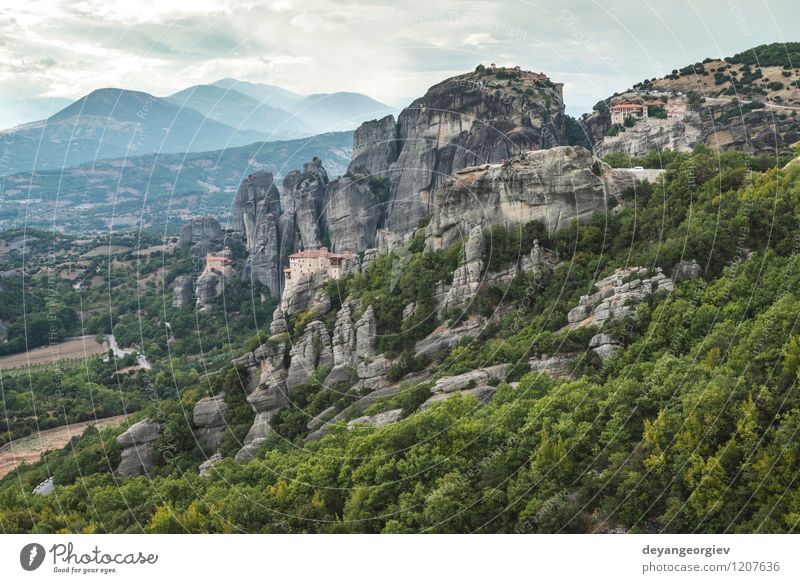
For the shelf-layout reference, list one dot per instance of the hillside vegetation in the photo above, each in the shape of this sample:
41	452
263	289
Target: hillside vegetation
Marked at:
690	427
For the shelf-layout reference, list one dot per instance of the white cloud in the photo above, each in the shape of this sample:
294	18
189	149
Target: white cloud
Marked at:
390	50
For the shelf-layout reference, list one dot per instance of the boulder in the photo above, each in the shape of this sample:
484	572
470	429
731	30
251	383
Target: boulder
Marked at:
686	270
604	345
138	445
205	467
379	420
468	380
208	416
557	366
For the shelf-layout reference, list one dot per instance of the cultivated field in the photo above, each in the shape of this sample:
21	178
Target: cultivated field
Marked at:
28	449
71	349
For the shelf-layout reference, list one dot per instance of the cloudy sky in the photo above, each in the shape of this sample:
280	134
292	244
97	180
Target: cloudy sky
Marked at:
392	50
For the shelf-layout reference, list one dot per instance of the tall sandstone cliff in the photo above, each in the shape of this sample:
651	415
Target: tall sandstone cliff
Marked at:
476	118
397	166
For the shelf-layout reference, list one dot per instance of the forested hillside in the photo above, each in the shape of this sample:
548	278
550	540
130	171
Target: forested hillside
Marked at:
690	426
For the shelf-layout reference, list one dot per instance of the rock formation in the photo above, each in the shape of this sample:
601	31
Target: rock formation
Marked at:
463	121
616	298
467	276
209	285
553	186
557	366
299	296
678	134
483	117
604	345
201	235
366	334
208	416
344	345
267	401
375	147
256	216
379	420
312	350
138	445
182	292
304	199
480	383
355	206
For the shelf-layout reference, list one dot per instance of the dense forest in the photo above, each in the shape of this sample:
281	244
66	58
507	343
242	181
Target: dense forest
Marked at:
690	427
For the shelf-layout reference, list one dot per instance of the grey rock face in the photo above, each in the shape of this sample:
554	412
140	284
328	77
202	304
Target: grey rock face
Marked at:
268	398
554	186
320	303
366	330
470	379
375	147
604	345
208	416
182	292
467	276
379	420
344	345
304	198
256	215
483	393
686	270
200	230
467	120
443	338
678	134
278	324
264	254
354	210
138	448
209	285
615	298
557	366
257	196
256	437
314	349
210	411
270	357
298	296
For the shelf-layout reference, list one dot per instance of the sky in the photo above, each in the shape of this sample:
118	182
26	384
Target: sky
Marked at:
54	51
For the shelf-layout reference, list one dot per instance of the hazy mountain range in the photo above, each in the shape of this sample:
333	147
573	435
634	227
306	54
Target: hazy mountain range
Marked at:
115	123
154	189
